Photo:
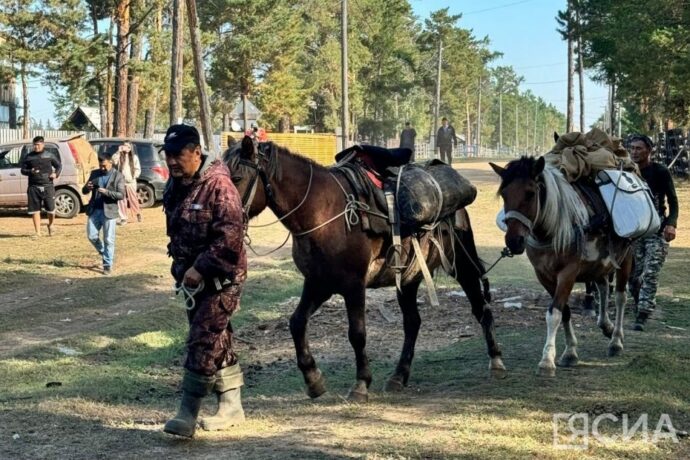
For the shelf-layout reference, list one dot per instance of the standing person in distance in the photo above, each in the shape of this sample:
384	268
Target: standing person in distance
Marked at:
42	168
651	251
127	162
407	138
107	187
446	141
205	223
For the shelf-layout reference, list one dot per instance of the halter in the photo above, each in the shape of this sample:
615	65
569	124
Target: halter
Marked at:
523	219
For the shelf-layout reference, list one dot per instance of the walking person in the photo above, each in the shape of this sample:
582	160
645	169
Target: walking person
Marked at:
107	187
651	251
446	141
407	138
42	168
127	162
205	223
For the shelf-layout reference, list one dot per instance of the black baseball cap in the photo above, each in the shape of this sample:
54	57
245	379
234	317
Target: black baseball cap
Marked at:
180	136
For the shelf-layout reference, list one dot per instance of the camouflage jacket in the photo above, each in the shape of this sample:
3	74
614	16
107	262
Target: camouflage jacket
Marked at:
205	224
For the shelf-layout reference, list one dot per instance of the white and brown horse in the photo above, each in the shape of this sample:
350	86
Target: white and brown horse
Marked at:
546	216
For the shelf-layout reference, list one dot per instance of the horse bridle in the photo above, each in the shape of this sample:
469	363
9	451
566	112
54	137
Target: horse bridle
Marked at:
259	172
523	219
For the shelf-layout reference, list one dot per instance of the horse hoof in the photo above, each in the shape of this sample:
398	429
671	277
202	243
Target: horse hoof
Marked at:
498	373
549	372
568	361
394	385
615	350
317	388
358	393
607	330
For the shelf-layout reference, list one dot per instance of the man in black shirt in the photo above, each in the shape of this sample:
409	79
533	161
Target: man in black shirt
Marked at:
651	251
407	137
446	140
42	168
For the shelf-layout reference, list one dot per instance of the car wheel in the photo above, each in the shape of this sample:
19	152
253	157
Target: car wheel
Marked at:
146	194
67	204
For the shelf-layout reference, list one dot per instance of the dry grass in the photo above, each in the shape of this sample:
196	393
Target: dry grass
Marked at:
124	336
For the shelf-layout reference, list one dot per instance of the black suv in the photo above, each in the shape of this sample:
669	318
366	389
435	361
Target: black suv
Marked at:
154	171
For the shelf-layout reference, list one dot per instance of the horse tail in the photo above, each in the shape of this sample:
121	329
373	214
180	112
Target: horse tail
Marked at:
468	248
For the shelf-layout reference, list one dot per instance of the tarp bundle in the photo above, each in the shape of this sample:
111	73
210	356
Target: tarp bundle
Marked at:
580	155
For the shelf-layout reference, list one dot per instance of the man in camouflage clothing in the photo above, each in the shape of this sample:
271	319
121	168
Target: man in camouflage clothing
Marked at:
205	224
651	251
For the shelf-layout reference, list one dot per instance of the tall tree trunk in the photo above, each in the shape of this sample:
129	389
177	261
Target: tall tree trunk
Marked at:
133	89
176	62
26	119
580	70
121	66
109	76
102	106
468	125
204	105
571	70
152	111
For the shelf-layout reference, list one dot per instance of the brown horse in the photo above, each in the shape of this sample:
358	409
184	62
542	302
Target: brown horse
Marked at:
547	216
337	257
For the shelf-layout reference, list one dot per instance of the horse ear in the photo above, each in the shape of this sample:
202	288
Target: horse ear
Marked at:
497	169
247	148
555	136
538	167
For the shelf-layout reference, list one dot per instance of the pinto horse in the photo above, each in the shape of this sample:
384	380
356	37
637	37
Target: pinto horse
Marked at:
337	257
548	217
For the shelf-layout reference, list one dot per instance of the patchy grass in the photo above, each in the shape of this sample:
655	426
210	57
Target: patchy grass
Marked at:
115	345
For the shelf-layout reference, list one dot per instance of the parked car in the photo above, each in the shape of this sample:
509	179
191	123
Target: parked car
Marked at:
75	154
154	171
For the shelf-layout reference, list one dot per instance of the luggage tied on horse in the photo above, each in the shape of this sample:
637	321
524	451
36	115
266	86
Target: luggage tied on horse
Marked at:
596	159
415	197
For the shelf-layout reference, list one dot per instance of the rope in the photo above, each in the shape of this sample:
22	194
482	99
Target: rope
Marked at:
248	242
311	175
188	293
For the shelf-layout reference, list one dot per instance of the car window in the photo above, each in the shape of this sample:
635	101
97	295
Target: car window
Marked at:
108	148
144	151
10	156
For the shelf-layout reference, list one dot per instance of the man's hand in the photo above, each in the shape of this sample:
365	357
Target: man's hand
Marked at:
35	171
102	190
669	233
192	278
89	185
52	176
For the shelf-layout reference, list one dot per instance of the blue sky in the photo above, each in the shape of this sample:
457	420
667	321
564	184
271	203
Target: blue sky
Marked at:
523	30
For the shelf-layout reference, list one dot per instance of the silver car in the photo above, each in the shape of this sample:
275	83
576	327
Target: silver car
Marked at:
78	158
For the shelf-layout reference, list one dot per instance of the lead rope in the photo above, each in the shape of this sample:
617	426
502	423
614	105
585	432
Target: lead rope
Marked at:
188	293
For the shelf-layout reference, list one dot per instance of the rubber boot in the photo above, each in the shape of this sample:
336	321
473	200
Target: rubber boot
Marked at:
227	389
641	319
194	388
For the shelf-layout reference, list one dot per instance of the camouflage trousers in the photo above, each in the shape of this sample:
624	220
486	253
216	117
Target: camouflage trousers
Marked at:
650	255
209	343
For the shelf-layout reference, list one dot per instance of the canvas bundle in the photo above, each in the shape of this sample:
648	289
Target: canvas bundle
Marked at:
629	202
427	193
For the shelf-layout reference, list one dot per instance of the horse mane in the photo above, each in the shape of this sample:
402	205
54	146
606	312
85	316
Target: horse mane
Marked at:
563	214
272	152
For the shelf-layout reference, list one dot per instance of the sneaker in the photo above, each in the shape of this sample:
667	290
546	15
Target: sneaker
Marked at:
139	219
107	271
122	222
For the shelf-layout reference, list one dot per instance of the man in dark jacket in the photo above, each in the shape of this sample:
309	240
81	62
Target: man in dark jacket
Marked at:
42	168
205	223
651	251
446	141
107	186
407	138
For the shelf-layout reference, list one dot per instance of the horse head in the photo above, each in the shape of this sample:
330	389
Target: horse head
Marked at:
247	162
520	191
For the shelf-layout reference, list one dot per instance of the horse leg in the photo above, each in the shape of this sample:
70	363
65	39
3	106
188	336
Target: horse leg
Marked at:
357	333
564	285
407	299
569	357
312	298
603	321
588	303
471	282
622	276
